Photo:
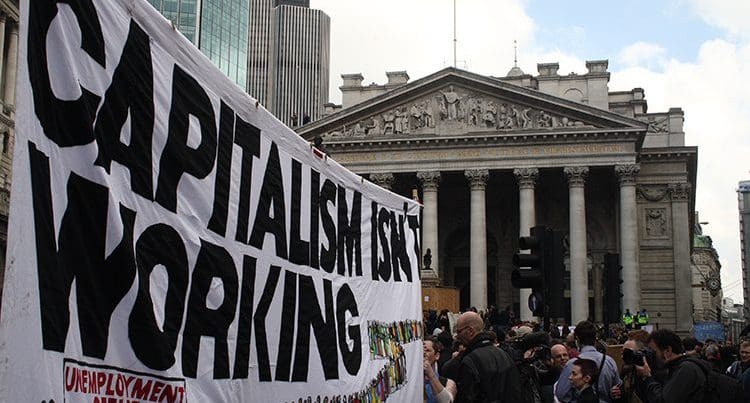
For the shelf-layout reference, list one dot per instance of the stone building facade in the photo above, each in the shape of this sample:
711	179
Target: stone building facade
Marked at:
707	293
490	157
9	18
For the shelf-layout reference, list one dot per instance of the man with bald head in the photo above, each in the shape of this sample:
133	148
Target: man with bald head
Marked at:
483	372
559	355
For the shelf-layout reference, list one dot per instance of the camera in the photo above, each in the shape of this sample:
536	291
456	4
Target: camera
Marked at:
536	339
630	357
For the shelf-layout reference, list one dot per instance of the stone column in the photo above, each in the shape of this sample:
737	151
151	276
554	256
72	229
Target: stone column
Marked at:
579	282
680	193
526	178
3	17
478	239
384	180
631	284
430	183
10	71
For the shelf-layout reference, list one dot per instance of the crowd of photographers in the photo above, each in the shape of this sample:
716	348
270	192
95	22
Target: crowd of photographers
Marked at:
483	359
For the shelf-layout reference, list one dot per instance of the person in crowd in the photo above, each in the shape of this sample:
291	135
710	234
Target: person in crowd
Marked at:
504	318
583	375
625	391
738	368
713	356
570	342
554	330
437	389
565	331
627	319
686	381
528	350
559	357
482	372
585	334
443	321
643	317
446	339
690	344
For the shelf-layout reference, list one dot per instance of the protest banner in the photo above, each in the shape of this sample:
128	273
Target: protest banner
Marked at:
171	241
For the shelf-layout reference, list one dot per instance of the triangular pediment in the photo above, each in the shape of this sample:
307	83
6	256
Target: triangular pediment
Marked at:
454	102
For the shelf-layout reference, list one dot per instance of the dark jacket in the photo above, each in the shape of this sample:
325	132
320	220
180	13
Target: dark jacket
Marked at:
686	384
484	373
587	395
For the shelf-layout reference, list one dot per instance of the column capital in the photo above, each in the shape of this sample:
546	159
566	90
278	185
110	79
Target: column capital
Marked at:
384	180
526	177
576	175
626	173
3	17
477	177
680	191
430	179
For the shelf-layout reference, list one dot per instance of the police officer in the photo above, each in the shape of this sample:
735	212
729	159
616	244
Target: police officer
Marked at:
627	319
643	318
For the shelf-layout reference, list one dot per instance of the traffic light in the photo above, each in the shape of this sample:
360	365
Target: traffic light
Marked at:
530	267
554	273
530	272
612	288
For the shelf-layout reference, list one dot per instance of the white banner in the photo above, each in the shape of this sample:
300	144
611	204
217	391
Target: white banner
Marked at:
171	241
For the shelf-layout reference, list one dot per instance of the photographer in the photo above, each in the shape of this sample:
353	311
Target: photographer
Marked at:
531	353
585	334
633	352
686	381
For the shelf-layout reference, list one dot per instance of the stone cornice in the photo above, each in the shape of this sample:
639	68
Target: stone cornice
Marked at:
576	175
477	177
526	177
546	137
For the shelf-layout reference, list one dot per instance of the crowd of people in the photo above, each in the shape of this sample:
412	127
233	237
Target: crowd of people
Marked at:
492	357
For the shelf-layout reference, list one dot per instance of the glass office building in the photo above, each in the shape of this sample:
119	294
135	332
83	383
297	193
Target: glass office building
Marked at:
218	27
277	50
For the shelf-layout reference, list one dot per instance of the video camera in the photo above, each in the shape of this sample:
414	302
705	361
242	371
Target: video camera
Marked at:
630	357
536	339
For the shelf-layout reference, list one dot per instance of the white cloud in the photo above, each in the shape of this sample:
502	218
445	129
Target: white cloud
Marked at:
730	15
417	36
641	53
713	93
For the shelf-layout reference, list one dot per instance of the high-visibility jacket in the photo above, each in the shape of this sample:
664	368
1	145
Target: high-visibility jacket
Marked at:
627	319
643	318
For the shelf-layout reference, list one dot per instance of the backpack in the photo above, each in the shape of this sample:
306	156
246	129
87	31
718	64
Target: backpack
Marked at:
720	388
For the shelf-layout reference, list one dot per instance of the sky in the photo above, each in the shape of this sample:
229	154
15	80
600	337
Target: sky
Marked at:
693	54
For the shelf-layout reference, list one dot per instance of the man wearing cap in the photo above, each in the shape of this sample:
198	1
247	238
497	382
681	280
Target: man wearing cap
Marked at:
482	372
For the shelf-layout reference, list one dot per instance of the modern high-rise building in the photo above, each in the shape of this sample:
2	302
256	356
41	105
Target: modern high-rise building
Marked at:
743	196
218	27
277	50
299	64
258	51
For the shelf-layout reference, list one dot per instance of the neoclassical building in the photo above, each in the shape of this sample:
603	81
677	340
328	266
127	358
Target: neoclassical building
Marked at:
490	157
707	292
9	18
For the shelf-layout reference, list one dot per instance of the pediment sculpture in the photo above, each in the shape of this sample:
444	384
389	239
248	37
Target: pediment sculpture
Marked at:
458	109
